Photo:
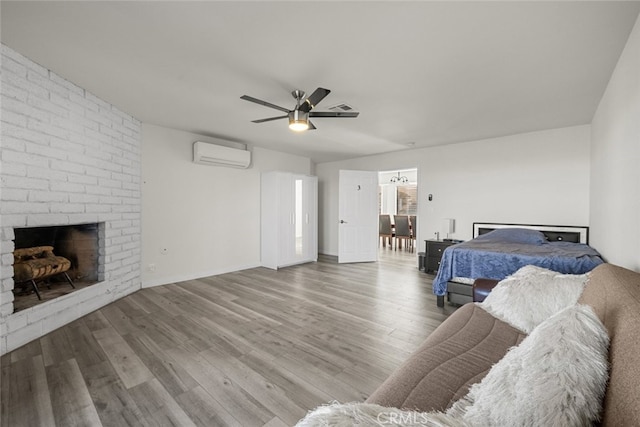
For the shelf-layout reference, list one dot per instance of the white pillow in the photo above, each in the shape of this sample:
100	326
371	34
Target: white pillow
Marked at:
367	414
557	376
533	294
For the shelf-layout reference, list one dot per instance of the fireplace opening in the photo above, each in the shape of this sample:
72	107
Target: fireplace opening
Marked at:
50	262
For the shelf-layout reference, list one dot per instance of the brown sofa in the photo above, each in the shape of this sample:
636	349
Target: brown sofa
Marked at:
461	351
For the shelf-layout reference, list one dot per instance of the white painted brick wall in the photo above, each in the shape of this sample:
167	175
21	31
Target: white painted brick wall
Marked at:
66	157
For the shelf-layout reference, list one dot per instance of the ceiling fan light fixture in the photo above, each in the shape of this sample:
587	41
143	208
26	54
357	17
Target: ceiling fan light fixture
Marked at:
298	121
299	116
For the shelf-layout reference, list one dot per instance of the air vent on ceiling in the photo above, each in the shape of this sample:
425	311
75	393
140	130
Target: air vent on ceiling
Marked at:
341	107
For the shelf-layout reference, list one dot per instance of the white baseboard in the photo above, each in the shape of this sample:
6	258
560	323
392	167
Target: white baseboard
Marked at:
159	281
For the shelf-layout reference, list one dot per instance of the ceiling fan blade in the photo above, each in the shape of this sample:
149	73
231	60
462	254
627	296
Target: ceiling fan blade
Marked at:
333	114
265	103
269	119
313	100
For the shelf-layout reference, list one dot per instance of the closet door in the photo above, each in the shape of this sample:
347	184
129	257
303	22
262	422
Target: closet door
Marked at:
286	220
309	218
305	190
300	218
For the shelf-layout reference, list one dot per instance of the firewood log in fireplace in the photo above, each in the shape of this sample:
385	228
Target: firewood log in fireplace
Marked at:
31	264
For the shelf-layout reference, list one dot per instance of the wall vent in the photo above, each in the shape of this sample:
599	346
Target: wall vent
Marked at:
342	107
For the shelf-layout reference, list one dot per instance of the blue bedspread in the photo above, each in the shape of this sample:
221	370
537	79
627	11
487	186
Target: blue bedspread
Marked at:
492	257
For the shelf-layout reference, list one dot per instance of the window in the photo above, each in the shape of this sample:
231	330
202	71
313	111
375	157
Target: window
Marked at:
407	199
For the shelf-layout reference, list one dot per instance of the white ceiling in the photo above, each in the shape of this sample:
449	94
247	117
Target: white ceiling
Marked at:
427	73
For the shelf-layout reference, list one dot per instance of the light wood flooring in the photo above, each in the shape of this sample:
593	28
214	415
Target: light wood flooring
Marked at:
250	348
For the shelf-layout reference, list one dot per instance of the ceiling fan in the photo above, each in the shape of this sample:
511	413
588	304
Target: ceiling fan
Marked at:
299	116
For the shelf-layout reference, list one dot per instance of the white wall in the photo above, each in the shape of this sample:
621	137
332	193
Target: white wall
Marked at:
67	157
615	162
206	217
533	178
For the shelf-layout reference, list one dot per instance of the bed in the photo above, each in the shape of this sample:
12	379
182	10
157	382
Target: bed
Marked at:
498	250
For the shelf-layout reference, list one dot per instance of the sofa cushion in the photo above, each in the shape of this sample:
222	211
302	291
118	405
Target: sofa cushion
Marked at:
456	355
614	294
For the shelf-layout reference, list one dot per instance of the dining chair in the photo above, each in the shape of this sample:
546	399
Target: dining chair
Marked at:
403	232
384	230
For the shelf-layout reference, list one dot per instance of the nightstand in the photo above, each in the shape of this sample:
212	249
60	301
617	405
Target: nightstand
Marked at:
434	250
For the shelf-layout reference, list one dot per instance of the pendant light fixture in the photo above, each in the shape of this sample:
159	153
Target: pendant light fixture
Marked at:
399	179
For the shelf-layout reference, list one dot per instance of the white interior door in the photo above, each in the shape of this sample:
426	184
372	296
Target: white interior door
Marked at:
358	216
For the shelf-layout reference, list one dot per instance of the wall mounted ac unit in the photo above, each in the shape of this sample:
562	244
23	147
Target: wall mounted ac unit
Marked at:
218	155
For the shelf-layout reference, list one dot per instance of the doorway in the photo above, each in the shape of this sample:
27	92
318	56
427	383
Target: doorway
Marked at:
398	198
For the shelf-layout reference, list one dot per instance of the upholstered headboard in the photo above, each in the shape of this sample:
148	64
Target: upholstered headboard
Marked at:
566	233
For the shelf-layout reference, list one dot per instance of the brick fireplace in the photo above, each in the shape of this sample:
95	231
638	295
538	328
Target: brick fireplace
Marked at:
68	158
79	244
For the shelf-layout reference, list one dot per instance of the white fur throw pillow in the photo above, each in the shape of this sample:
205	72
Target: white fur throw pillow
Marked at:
367	414
533	294
557	376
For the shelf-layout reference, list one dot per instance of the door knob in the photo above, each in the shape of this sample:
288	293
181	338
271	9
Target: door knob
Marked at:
342	221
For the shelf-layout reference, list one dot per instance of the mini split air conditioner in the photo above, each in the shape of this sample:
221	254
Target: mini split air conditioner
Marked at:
218	155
